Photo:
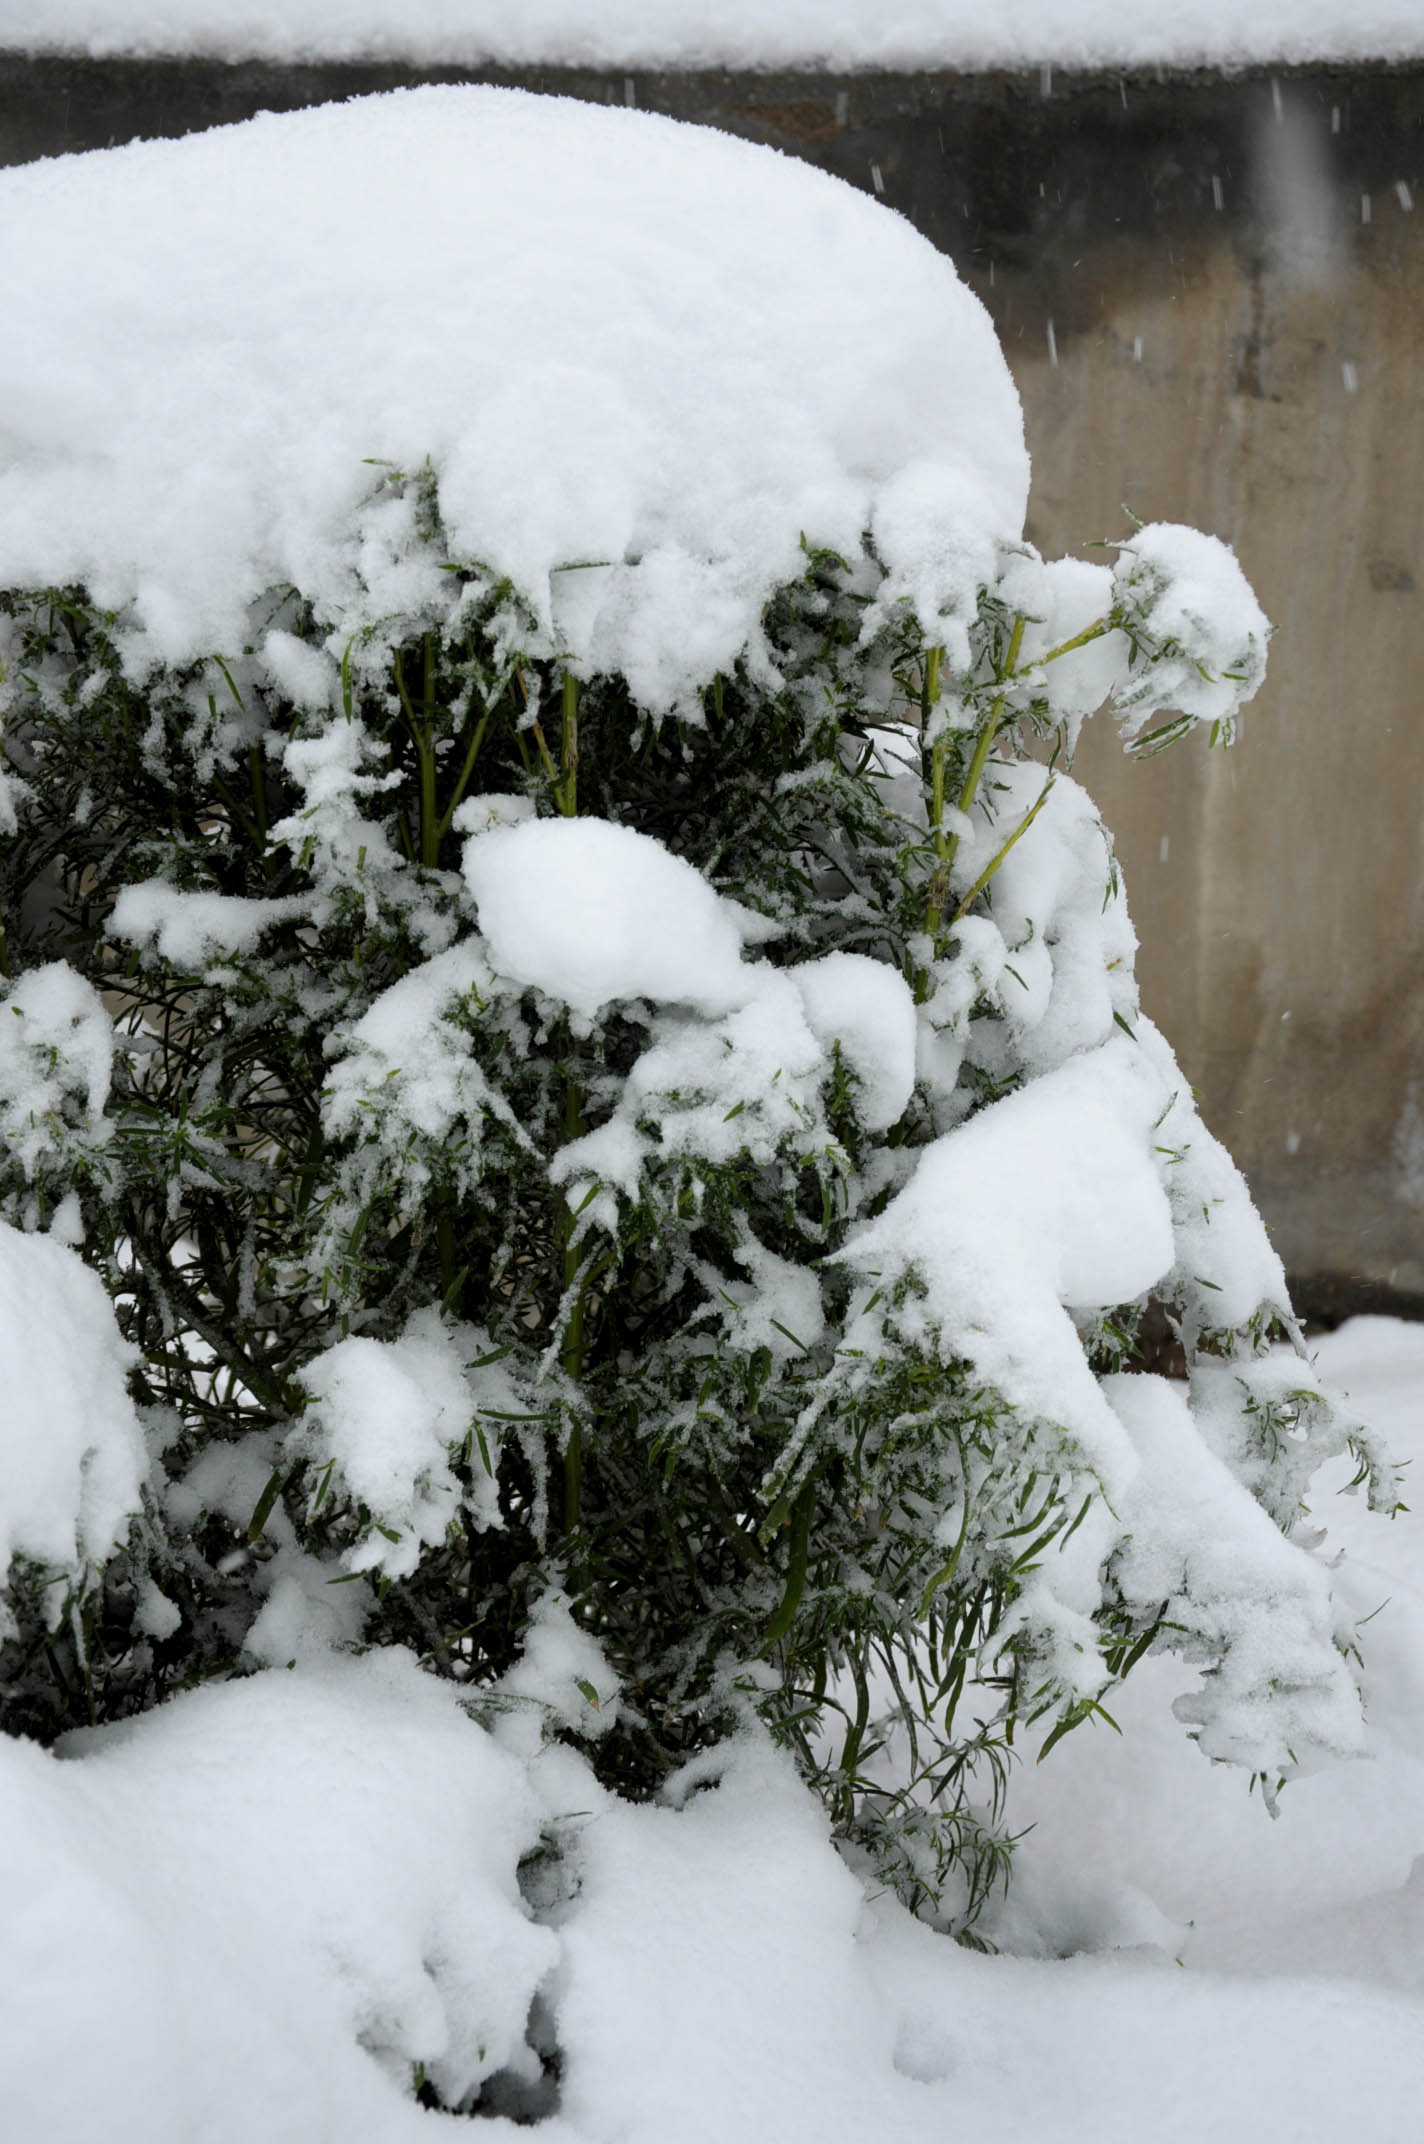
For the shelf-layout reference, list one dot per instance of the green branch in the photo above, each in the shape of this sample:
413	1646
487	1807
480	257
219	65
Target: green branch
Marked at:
568	799
798	1556
947	846
1017	835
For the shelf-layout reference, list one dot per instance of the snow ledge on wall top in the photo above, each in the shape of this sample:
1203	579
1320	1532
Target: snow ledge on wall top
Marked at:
829	35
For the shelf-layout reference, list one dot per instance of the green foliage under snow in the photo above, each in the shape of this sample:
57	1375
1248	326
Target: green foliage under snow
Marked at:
330	1159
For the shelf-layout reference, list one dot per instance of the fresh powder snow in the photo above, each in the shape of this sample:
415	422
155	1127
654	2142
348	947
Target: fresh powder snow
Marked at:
832	34
1134	1841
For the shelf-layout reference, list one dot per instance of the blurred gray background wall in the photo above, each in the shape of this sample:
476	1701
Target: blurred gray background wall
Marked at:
1211	292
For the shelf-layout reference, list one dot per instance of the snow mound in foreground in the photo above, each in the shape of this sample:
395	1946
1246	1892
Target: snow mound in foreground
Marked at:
259	1910
738	33
646	362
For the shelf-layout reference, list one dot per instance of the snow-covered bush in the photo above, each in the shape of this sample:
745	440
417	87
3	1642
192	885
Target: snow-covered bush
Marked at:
556	972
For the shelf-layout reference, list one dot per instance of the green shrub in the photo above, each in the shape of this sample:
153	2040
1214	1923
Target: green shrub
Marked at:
323	1194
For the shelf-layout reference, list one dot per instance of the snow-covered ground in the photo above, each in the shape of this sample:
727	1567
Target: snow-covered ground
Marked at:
247	1915
835	34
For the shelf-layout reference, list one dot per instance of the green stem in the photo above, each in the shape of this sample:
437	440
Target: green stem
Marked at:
429	809
855	1735
1017	835
407	710
259	792
571	1353
929	695
429	812
573	1478
568	801
1066	647
947	847
425	757
545	755
799	1552
576	1272
929	682
457	793
231	684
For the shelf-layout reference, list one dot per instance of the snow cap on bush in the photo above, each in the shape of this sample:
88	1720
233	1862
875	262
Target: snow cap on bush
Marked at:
722	368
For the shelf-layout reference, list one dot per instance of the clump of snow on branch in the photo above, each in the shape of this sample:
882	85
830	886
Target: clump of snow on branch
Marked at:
1061	600
742	1084
862	1008
561	1680
72	1456
1012	1230
1055	955
1174	625
1044	1203
199	931
1185	603
713	1089
56	1061
310	1604
385	1420
777	1306
404	1077
1195	1543
350	855
589	912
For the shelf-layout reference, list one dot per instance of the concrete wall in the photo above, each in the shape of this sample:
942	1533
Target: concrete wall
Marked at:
1212	296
